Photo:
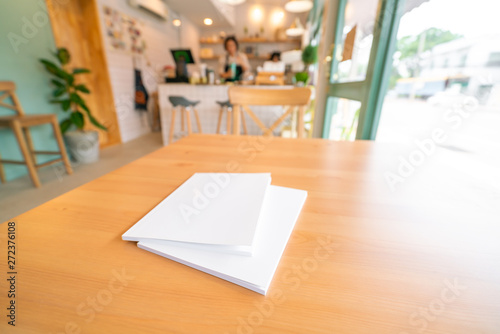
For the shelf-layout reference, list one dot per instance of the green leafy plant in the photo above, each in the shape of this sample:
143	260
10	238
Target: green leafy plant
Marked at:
67	92
302	77
309	57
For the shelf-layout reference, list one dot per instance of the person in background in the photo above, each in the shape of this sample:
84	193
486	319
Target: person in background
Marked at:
233	61
275	57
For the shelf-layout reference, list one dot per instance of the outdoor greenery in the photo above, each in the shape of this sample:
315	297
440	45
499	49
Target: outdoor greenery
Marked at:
411	48
67	92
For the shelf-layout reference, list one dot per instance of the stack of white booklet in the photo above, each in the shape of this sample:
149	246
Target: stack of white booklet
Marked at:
233	226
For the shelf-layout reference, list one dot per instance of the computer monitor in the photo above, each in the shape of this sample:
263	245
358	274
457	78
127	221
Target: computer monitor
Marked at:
182	55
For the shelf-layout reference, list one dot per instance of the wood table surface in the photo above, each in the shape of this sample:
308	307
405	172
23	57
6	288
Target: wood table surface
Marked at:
422	257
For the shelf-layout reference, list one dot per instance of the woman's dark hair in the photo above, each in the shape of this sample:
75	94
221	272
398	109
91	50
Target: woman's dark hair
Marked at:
231	38
275	54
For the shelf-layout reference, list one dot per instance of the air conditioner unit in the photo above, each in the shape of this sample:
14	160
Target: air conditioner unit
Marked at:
156	7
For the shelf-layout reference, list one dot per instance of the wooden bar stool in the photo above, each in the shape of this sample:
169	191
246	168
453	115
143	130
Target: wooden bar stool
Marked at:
227	107
20	124
184	105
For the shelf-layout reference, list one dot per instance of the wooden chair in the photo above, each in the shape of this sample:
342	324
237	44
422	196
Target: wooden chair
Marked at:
242	97
20	124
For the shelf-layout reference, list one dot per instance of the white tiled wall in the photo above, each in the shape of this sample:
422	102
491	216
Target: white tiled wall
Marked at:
160	37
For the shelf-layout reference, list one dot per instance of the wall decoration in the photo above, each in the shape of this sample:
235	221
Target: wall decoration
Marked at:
123	32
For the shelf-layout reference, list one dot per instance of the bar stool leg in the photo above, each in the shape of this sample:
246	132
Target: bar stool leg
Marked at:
62	148
198	124
18	132
172	125
188	120
183	123
228	121
244	122
219	121
2	172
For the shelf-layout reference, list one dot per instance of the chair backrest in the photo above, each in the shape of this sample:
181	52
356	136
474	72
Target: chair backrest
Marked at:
8	89
297	96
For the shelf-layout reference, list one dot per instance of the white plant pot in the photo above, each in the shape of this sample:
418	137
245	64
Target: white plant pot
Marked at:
83	146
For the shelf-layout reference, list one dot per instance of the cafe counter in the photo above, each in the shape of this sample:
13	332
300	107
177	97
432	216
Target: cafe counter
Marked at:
208	109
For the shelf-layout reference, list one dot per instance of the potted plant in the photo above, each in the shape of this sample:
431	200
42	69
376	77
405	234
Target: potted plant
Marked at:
83	145
309	57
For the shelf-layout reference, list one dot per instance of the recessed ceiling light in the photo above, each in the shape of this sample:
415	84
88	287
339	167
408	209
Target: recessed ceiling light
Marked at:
208	21
177	22
298	6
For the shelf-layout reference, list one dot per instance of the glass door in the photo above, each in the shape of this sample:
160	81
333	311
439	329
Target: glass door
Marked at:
359	67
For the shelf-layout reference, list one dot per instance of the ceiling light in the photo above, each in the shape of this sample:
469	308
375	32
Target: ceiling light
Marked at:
257	14
277	17
232	2
208	21
298	6
177	22
296	29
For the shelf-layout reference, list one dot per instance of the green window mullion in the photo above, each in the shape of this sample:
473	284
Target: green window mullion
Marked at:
379	68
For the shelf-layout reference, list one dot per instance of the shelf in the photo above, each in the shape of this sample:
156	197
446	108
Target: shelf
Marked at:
250	57
257	41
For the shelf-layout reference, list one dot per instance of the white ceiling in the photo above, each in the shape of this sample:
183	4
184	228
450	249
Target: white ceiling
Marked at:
196	10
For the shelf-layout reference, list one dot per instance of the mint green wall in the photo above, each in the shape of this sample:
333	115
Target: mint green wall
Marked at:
25	36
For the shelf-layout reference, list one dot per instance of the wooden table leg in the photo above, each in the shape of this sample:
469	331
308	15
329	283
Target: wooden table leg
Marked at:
18	132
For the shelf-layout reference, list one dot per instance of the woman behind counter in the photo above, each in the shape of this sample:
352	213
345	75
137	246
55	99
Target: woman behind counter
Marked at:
233	61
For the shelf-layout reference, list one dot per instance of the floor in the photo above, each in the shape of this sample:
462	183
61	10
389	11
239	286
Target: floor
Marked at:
19	195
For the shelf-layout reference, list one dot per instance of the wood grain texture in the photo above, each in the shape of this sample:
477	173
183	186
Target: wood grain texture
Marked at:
361	259
76	27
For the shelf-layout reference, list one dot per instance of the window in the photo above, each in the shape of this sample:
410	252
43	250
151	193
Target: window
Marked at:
494	59
463	60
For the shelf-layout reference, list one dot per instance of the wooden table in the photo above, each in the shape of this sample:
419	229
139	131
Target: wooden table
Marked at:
362	258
